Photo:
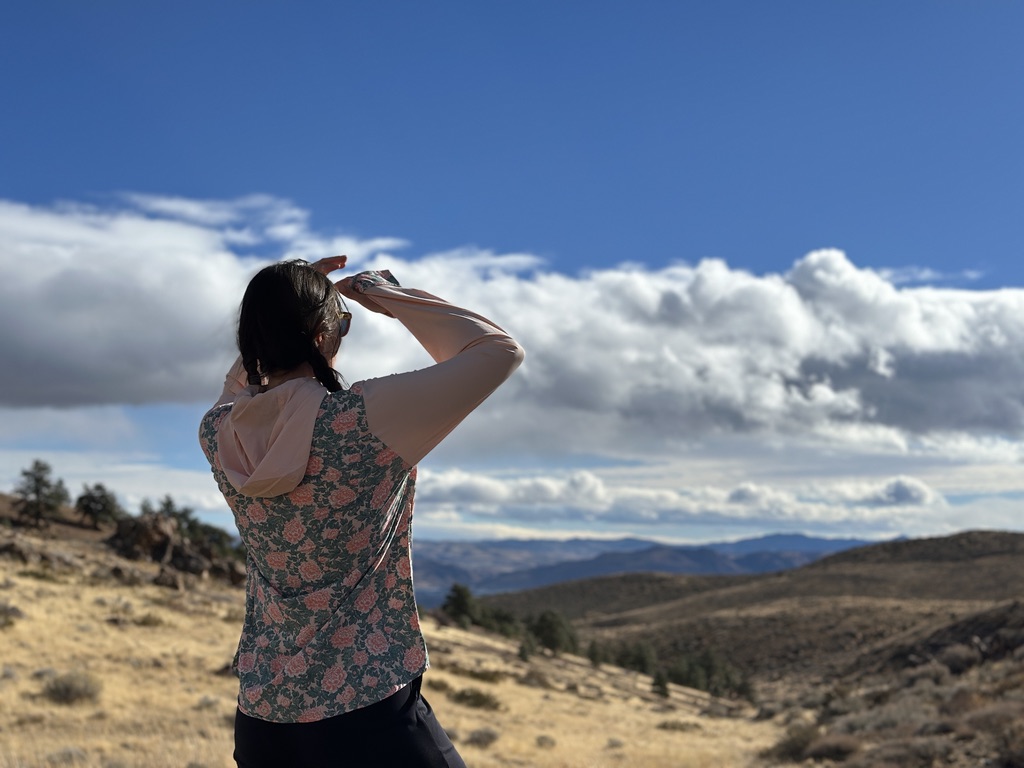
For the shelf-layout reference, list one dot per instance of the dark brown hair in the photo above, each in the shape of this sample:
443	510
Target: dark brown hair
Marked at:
285	307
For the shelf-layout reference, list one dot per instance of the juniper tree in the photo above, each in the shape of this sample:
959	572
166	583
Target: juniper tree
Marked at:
39	496
98	505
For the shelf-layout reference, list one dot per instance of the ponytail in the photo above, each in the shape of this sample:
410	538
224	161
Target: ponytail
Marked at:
285	308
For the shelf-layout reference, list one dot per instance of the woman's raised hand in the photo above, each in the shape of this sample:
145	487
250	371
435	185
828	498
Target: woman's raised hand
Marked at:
329	264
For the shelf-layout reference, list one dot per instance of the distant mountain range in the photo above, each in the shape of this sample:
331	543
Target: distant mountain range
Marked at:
508	565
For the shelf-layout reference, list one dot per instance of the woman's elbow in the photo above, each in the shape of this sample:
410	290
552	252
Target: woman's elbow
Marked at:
517	353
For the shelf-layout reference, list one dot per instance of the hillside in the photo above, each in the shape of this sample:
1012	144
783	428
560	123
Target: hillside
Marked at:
156	692
811	620
507	565
901	654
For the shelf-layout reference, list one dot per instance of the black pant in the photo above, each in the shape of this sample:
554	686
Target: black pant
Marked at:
400	731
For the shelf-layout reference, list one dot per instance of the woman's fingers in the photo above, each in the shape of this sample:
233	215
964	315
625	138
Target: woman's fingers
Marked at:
329	264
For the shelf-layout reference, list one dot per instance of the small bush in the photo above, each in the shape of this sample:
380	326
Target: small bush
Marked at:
534	678
900	716
962	701
793	746
72	688
67	756
1011	747
995	718
484	675
527	647
678	725
903	753
959	658
834	746
439	685
9	614
482	737
545	742
473	697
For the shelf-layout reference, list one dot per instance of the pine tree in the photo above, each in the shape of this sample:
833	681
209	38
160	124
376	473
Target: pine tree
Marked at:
98	505
40	497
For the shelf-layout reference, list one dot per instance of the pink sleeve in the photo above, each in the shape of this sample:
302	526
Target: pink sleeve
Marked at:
234	382
412	412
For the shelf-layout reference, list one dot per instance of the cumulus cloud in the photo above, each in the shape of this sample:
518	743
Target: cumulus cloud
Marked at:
134	303
104	306
884	505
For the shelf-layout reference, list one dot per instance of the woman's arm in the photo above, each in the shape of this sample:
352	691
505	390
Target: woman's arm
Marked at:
412	412
234	382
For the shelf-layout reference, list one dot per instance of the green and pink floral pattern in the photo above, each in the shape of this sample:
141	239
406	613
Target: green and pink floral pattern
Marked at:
330	619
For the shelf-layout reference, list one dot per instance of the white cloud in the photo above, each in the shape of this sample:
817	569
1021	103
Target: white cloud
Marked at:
880	505
133	303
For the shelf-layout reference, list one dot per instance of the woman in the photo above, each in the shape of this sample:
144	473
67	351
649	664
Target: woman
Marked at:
320	480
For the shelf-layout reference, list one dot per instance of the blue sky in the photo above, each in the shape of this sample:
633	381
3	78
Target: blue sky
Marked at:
778	240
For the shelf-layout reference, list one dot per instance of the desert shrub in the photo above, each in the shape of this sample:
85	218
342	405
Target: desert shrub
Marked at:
932	672
903	715
67	756
640	657
9	614
438	685
995	718
234	615
904	753
72	687
660	683
598	653
473	697
149	620
500	621
1011	746
678	725
534	678
483	675
545	742
709	671
527	646
482	737
936	728
793	746
461	607
962	701
959	658
832	746
554	632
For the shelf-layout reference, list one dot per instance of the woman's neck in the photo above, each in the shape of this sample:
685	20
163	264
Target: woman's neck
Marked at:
303	371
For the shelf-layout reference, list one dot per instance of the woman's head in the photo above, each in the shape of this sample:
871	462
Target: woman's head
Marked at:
290	314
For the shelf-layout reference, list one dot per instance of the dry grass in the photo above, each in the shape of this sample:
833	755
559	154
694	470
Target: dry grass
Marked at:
157	653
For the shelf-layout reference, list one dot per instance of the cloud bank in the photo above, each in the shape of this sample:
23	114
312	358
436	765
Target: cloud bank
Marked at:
132	303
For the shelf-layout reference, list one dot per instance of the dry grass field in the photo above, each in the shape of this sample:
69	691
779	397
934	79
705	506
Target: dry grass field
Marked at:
101	668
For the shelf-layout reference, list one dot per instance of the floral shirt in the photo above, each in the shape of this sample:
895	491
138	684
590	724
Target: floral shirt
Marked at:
331	623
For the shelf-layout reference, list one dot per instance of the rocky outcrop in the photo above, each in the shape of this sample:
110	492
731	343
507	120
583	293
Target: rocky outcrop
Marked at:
158	538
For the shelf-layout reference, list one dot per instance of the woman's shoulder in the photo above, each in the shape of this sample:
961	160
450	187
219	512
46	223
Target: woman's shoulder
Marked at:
208	426
346	403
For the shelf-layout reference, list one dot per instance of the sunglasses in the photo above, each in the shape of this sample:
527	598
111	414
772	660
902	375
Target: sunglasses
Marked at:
345	323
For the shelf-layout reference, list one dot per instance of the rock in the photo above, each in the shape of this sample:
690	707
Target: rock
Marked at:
169	577
146	537
67	756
